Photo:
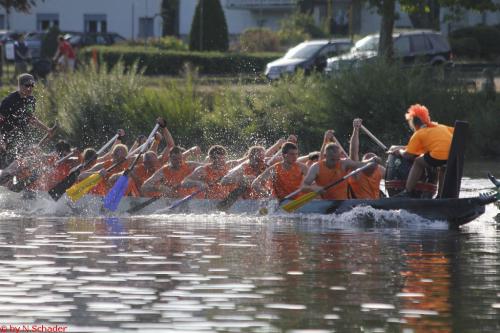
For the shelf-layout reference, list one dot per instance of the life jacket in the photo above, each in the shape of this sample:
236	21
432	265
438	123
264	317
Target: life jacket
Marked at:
143	174
174	177
212	179
366	186
249	171
102	188
286	181
327	176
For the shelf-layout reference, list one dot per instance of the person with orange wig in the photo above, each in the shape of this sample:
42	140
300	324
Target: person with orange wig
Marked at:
429	145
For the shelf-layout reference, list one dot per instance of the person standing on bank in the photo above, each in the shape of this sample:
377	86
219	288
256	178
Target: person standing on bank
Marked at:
21	56
65	55
429	146
16	113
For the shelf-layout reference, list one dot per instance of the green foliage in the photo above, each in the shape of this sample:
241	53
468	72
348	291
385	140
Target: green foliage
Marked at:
465	47
209	27
485	37
50	43
170	43
91	104
18	5
259	40
299	27
157	62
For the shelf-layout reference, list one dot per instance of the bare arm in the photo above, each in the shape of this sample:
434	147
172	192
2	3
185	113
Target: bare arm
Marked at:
234	176
275	148
258	182
195	179
354	144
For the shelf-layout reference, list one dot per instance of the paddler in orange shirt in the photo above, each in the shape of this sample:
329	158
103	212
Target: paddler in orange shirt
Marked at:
167	180
330	169
366	184
118	155
207	177
285	176
245	173
429	146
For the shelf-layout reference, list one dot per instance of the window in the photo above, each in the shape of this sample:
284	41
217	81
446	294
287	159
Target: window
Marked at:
95	23
402	46
419	44
146	27
46	21
2	21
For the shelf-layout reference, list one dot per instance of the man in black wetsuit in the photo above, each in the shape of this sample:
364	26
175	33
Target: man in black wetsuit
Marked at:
16	113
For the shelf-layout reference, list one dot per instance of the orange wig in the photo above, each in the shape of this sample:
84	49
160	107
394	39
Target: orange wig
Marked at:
421	112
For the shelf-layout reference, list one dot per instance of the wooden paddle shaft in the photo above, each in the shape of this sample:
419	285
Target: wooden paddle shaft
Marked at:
374	138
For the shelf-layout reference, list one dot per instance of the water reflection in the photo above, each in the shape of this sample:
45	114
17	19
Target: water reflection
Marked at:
220	273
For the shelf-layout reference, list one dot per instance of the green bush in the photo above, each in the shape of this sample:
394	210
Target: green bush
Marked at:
91	104
465	47
259	40
157	62
170	43
488	39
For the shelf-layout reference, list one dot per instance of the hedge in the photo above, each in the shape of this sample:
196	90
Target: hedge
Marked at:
478	41
160	62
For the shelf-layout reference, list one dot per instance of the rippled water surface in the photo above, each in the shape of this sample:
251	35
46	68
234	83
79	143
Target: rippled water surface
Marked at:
245	273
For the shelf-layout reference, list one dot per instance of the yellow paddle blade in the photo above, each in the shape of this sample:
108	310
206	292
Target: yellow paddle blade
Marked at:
78	190
299	202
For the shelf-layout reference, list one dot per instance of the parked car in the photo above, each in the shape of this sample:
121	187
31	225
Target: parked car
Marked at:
411	47
7	39
309	55
34	41
79	39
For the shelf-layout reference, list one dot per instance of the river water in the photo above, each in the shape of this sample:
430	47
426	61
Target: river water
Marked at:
248	273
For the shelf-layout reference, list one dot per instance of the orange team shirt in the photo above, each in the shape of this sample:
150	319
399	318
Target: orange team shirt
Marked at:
174	177
327	176
102	188
366	186
433	140
215	189
249	171
134	187
286	181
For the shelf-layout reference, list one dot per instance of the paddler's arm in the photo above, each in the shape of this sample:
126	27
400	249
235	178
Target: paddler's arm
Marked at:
96	168
258	182
354	144
275	148
196	179
234	176
153	183
327	138
307	182
38	124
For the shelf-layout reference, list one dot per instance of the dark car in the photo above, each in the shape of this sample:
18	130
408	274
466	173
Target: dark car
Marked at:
309	56
411	47
78	39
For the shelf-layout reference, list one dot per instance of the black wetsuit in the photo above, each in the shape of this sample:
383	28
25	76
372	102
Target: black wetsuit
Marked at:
16	112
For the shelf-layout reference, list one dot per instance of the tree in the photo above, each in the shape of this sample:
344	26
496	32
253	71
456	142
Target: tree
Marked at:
386	8
209	27
16	5
170	15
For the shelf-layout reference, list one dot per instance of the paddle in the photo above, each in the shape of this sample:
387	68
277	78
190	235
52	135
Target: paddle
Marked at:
374	138
58	190
495	181
226	203
114	196
301	201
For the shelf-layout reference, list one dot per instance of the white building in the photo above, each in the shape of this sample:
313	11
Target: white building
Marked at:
141	18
